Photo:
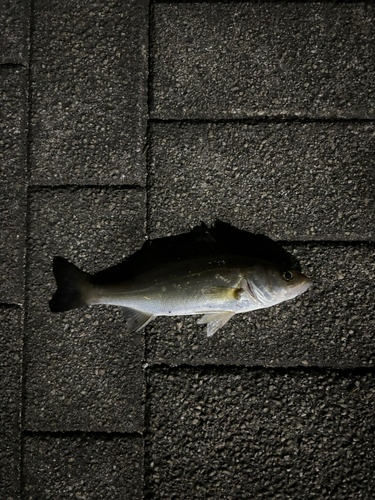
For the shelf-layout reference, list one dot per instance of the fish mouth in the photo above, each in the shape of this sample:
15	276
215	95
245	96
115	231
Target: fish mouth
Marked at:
306	285
301	286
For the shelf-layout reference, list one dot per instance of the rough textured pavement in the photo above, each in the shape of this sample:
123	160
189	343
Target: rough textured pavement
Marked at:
121	121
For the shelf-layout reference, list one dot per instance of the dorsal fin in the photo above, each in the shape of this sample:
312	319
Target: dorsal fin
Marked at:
220	240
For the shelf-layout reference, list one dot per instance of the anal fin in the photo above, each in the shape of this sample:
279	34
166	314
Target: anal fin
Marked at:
135	320
215	321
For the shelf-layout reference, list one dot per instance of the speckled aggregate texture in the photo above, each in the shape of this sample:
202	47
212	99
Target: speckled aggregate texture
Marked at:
83	369
121	120
263	434
95	467
332	324
14	29
11	319
296	181
250	59
89	92
13	83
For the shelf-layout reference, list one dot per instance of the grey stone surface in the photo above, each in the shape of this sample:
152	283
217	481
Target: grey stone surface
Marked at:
13	114
89	92
331	325
280	402
301	181
249	59
83	369
236	434
11	323
84	467
14	29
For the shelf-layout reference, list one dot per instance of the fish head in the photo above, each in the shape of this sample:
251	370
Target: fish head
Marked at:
271	284
291	283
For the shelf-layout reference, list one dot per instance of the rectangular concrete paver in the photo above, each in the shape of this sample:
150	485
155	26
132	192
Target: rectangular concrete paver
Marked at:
14	29
89	92
13	117
310	181
240	434
249	59
83	369
97	467
332	324
11	330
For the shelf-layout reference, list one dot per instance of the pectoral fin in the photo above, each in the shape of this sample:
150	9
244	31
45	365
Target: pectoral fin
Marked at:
135	320
222	292
215	321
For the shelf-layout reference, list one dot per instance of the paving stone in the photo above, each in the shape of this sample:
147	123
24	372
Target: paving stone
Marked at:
83	370
89	92
13	114
11	320
14	28
219	434
83	466
331	325
250	59
300	181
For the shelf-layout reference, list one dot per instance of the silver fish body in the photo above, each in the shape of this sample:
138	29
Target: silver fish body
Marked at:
217	288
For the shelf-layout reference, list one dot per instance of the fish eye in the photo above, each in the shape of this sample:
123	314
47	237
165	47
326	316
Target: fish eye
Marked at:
288	276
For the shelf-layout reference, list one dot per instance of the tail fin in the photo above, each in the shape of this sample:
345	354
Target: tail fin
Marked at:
71	286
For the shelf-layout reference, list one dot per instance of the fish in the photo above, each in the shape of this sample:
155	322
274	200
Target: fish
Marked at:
214	272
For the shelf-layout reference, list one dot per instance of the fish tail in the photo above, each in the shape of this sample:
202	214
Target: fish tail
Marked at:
72	286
